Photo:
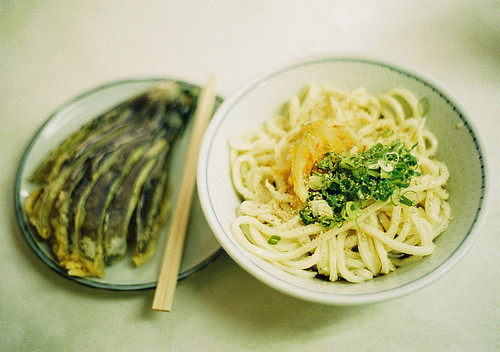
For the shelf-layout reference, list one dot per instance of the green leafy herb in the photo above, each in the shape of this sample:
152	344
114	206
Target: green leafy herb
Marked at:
342	183
274	239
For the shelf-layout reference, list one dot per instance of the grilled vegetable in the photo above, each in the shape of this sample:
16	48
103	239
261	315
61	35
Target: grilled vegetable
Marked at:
123	204
106	184
149	216
65	241
41	215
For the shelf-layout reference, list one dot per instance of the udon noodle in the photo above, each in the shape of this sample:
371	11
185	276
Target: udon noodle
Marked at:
383	235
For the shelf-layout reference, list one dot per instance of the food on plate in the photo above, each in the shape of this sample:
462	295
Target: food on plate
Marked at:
341	185
104	188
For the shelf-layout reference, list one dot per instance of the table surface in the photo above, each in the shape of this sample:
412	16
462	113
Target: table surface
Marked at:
52	51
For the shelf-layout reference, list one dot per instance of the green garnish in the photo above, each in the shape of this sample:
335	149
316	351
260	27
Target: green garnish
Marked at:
341	183
403	199
423	106
406	201
274	239
387	133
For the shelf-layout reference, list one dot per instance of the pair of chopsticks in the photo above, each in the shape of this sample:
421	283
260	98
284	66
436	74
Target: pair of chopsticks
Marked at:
169	270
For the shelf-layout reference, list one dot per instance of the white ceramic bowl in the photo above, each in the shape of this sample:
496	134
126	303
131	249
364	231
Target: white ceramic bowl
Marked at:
459	147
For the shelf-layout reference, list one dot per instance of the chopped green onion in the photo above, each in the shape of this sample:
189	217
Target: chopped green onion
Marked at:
407	201
385	165
315	182
352	210
387	133
274	239
423	106
343	182
306	216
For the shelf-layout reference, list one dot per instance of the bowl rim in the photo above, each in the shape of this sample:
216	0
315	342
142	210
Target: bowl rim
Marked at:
240	256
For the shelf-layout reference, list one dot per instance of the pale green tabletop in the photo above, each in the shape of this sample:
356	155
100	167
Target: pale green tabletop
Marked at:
54	50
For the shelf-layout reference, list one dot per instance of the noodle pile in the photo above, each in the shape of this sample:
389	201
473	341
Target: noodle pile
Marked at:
384	235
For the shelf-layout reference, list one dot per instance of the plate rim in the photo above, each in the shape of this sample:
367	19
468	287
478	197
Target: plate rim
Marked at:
28	233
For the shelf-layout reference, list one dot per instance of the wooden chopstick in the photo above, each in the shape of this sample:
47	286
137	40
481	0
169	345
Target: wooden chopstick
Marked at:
169	270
